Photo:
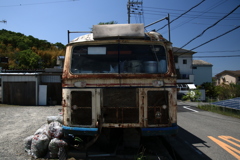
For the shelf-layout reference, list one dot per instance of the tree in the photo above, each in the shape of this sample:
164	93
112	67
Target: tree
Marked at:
28	59
104	23
110	22
12	44
59	45
210	90
226	91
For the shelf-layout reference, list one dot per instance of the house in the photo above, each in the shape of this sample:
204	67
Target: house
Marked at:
202	72
227	77
190	72
183	63
26	87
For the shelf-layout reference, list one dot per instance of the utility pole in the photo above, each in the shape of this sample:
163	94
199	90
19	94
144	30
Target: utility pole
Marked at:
133	8
128	8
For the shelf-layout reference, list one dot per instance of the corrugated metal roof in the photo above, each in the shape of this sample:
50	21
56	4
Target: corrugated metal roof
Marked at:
18	74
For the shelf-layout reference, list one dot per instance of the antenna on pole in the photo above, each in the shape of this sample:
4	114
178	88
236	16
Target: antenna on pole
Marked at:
3	21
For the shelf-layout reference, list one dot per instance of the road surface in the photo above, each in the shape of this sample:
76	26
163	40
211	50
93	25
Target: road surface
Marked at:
210	135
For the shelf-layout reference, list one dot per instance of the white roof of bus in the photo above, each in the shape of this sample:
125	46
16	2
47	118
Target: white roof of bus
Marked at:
83	38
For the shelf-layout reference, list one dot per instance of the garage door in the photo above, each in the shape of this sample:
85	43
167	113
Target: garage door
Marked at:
19	93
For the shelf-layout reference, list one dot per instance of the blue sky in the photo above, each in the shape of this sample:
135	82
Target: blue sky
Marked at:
50	19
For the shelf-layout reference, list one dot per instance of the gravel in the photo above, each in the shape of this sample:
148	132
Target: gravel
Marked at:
17	123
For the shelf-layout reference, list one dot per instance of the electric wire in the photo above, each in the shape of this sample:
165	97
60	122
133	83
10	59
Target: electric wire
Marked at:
192	11
175	12
211	26
219	51
200	15
216	37
209	40
40	3
183	14
228	56
193	16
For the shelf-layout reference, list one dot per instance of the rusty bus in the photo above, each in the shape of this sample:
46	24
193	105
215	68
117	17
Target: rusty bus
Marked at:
118	76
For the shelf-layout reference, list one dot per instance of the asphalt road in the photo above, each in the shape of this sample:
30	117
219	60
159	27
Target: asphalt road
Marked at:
210	135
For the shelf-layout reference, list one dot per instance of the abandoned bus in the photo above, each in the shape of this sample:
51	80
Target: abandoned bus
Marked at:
118	76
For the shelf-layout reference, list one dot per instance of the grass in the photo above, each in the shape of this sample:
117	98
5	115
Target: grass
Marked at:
221	110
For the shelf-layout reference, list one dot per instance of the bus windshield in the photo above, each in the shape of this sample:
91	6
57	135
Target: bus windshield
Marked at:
118	58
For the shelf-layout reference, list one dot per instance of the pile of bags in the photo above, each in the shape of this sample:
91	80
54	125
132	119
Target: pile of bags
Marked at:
47	139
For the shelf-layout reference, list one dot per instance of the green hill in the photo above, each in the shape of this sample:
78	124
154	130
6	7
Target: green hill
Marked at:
27	52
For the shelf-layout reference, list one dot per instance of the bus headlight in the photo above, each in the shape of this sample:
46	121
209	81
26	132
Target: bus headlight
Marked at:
157	83
158	114
164	106
80	84
74	107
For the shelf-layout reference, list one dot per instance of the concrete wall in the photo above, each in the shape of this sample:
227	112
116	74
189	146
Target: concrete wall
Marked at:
184	68
202	74
228	79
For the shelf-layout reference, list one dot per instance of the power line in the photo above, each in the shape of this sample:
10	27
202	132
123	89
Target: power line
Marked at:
211	26
219	51
176	11
216	37
183	14
208	15
180	10
216	56
193	16
19	5
190	14
210	40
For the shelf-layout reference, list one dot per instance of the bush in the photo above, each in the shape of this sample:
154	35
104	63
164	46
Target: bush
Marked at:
192	95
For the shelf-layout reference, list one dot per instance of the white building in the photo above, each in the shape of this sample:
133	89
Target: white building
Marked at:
202	72
183	63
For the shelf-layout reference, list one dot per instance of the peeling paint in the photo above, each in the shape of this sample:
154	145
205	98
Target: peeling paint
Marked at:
123	100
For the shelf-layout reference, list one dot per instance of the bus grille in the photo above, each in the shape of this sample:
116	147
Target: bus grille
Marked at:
82	115
156	100
120	105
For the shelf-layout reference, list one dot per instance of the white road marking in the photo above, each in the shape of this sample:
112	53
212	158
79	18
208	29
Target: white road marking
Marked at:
186	107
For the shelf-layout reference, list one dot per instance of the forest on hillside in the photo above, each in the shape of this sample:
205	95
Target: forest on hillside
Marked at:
27	52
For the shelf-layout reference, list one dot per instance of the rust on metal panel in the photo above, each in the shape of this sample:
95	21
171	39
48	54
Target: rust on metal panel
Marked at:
64	103
63	108
173	104
127	100
119	125
171	64
141	105
68	75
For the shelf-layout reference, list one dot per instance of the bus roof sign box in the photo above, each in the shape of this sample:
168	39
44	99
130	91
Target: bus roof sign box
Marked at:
118	30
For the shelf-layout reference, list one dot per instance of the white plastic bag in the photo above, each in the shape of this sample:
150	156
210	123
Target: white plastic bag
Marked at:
39	145
43	130
54	147
28	142
55	118
55	130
